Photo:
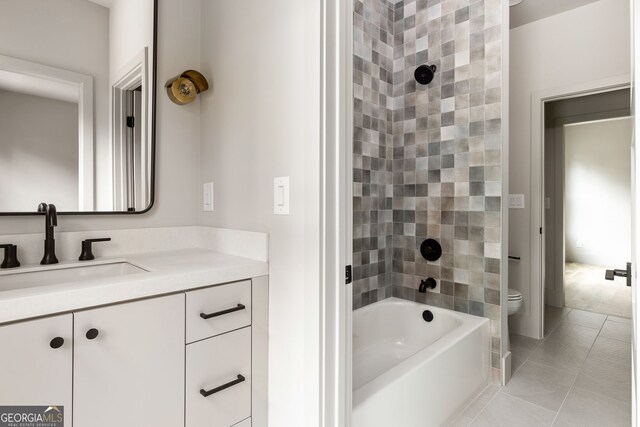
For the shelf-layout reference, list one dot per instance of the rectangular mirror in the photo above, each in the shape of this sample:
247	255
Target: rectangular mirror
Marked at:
77	105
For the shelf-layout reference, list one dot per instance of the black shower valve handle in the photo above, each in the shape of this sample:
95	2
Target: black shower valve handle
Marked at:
431	250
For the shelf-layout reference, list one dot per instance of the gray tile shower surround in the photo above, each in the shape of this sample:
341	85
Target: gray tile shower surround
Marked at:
427	159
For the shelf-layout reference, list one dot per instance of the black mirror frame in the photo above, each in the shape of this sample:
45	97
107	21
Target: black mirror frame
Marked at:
154	88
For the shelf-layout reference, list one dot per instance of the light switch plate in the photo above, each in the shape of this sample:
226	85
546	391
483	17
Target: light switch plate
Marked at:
207	197
281	195
516	201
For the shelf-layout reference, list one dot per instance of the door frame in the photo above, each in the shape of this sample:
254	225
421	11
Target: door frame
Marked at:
538	100
336	212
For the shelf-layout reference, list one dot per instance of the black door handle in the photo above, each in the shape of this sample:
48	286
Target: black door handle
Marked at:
222	312
206	393
612	274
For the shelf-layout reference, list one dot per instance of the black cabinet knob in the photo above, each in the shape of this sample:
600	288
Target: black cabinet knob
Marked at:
57	342
92	333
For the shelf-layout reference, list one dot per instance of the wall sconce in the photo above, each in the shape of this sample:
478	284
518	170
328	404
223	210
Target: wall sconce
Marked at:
183	88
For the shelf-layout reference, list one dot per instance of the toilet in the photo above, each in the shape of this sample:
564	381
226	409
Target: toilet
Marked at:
513	306
514	302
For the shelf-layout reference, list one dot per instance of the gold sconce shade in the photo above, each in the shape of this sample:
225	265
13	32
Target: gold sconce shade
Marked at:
183	88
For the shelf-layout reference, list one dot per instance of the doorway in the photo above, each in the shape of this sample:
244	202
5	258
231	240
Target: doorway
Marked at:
587	205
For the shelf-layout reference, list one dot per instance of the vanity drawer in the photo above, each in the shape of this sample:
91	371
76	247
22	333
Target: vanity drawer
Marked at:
219	309
212	364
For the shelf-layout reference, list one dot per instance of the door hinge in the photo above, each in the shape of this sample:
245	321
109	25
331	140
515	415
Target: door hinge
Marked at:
348	275
540	230
131	122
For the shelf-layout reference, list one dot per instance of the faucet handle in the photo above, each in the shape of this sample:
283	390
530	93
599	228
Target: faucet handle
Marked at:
10	256
87	253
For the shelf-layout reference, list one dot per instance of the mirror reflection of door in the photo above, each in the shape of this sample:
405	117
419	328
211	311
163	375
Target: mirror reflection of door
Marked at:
131	134
133	148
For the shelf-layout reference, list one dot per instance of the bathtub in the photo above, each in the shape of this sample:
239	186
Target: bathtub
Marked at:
411	373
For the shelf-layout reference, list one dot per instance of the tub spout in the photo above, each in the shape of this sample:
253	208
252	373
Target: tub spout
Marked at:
427	283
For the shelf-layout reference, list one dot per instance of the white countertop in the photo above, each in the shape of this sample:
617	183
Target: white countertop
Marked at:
167	272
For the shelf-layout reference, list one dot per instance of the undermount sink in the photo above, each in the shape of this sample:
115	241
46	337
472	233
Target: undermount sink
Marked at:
65	274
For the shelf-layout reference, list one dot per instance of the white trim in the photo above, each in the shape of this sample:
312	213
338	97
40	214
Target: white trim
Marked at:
505	362
84	85
634	16
337	99
348	208
537	176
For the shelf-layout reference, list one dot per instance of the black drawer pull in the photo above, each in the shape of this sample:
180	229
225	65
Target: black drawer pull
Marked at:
220	313
206	393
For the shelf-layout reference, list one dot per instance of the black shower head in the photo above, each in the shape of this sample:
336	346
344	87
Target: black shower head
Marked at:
424	74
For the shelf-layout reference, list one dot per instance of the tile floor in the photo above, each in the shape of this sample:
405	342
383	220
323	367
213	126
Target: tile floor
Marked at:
585	288
580	375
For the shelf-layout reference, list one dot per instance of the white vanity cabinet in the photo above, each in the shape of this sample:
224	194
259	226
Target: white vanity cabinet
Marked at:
195	358
36	363
129	364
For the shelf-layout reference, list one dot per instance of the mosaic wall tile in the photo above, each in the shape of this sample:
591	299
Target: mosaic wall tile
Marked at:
427	159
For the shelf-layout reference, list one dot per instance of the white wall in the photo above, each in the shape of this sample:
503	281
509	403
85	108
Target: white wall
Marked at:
582	45
598	192
38	152
130	29
260	120
178	134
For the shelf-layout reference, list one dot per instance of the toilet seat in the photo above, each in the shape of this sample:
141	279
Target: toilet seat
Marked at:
514	295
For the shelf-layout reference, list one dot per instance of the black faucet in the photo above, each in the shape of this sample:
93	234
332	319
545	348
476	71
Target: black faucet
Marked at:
50	221
427	283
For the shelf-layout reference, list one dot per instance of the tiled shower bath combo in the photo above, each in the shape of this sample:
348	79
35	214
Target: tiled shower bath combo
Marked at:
428	159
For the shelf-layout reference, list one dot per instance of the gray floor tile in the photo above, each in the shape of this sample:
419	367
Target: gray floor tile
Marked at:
518	357
584	408
461	421
575	335
553	316
509	411
524	343
619	319
481	401
612	351
557	355
616	330
585	318
540	384
605	378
